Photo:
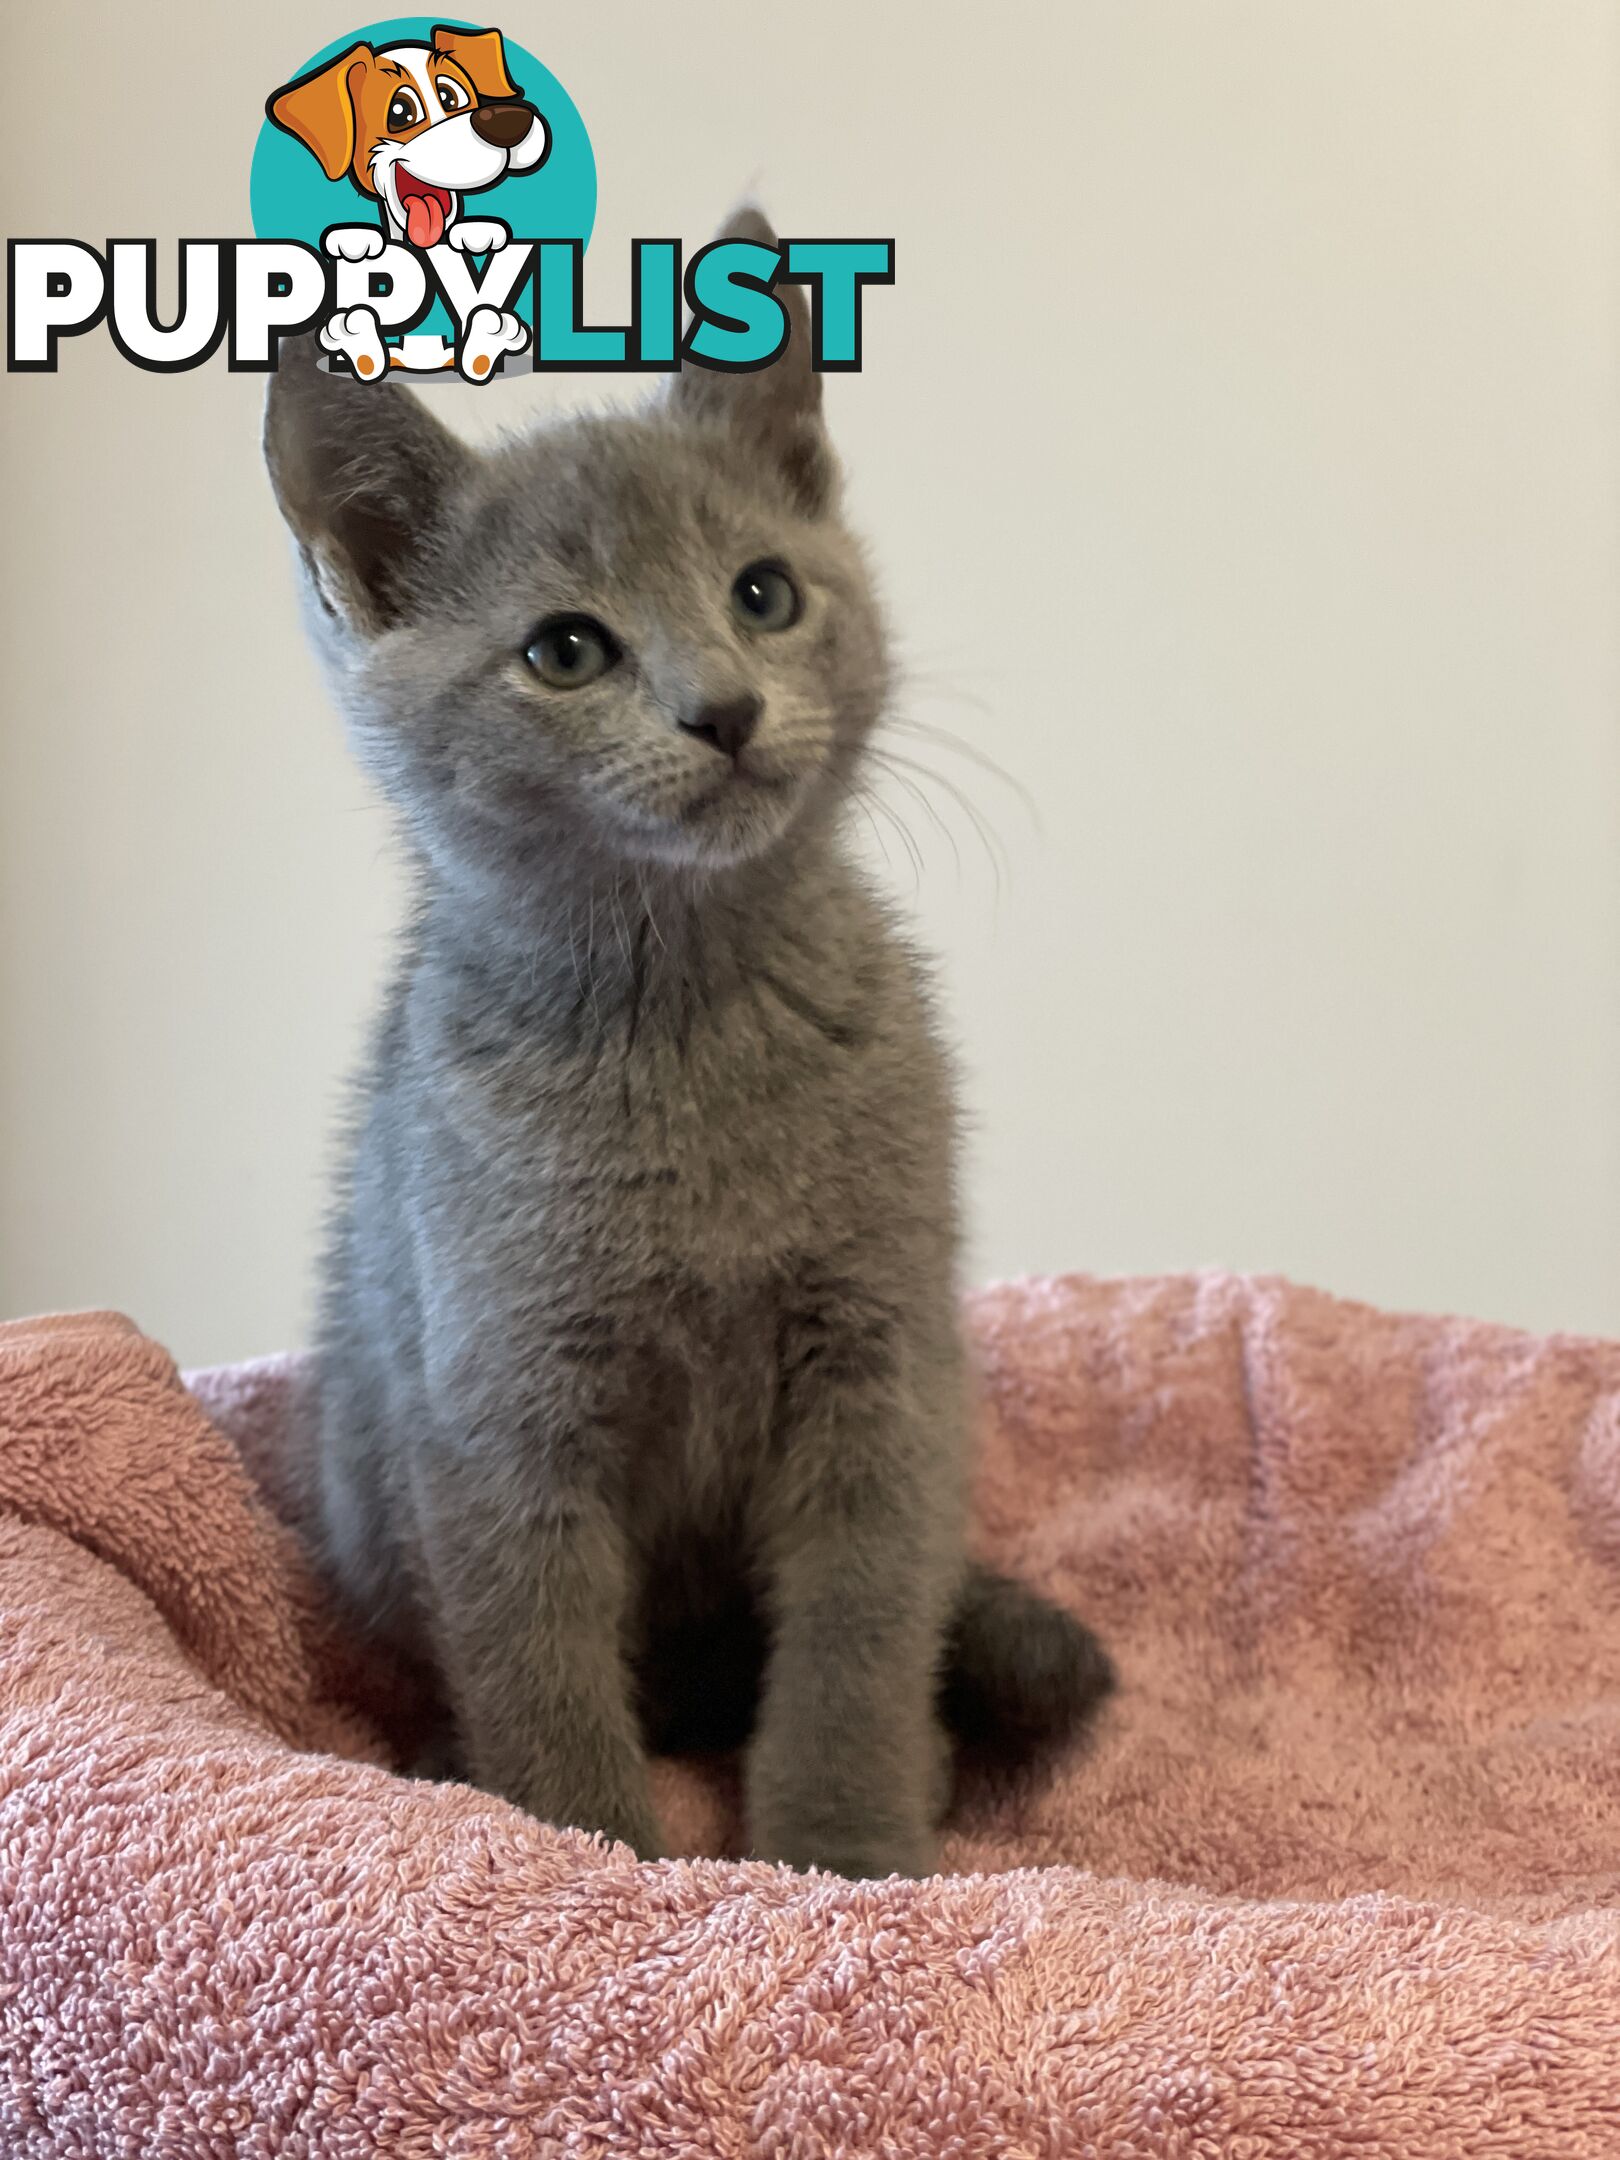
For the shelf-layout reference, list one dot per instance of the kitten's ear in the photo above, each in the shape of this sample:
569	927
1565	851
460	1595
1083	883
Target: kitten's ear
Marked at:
776	409
362	475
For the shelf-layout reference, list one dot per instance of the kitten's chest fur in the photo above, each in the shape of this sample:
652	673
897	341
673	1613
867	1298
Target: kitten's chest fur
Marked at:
717	1100
681	1164
658	1138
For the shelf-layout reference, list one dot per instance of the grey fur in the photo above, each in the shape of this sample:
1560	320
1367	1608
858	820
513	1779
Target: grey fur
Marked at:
642	1398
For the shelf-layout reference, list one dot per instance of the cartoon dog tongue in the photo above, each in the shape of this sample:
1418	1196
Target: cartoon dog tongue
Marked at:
424	220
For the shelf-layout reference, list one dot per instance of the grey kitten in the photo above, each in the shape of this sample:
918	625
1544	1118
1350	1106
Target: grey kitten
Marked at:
643	1411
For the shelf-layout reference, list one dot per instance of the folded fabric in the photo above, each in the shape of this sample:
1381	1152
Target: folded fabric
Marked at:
1336	1875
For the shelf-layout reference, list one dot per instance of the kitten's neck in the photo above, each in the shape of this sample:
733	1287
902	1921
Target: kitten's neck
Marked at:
588	944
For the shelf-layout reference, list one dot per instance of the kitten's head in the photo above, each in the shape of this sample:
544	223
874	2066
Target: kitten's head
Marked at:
645	637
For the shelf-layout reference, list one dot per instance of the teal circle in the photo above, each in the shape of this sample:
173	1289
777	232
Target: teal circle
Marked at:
292	199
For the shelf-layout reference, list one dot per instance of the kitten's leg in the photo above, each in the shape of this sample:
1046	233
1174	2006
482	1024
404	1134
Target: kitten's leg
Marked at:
863	1560
530	1592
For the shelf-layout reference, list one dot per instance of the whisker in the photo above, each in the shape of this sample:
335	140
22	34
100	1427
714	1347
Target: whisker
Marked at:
899	825
988	838
933	816
909	724
908	840
943	686
590	966
647	910
573	951
859	798
621	933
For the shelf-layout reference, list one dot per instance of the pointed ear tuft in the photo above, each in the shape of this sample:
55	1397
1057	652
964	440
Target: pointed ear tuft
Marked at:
749	222
776	410
363	475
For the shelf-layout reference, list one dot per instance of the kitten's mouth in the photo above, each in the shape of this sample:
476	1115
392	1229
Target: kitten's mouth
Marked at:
741	781
425	208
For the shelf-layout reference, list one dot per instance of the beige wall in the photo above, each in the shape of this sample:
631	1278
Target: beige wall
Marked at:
1263	525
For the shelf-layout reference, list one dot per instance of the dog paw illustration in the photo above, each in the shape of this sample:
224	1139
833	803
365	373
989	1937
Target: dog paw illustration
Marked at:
355	334
354	243
489	334
476	236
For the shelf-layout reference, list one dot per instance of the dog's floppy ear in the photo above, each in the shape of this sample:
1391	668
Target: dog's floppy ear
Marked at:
775	409
481	54
319	109
362	475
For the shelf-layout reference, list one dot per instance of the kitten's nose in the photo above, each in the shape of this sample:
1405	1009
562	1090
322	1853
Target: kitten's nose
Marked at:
725	726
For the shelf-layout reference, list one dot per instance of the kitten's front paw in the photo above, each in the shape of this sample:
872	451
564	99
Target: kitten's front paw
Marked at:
624	1821
842	1850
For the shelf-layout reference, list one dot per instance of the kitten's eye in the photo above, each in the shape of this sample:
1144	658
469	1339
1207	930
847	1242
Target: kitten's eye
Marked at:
451	95
404	110
570	651
765	597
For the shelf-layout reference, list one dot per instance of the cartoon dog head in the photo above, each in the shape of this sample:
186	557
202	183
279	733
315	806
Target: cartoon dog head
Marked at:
416	126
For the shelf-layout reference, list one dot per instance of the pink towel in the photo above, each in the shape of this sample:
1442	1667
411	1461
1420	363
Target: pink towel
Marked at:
1337	1875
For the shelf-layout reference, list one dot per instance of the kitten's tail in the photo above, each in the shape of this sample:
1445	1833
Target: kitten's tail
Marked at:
1021	1675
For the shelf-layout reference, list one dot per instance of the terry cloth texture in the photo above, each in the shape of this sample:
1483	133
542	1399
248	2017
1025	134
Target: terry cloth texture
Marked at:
1335	1876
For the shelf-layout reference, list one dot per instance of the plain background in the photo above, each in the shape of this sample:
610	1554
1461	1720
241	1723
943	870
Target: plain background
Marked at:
1239	442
